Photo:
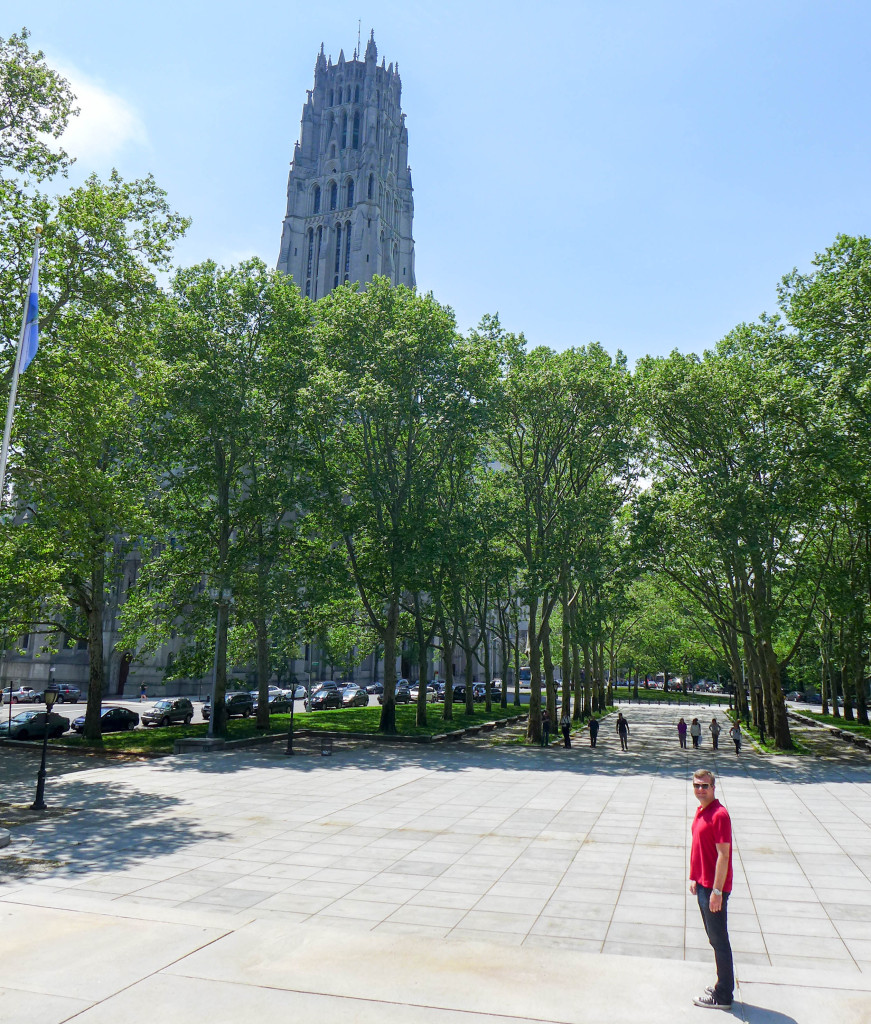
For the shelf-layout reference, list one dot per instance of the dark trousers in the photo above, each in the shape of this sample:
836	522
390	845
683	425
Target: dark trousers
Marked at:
545	736
715	740
593	736
696	740
716	927
567	731
624	740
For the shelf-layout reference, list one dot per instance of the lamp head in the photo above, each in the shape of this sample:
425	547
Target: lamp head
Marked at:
50	696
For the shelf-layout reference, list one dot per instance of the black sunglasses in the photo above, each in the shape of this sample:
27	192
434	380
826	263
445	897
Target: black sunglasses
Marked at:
701	785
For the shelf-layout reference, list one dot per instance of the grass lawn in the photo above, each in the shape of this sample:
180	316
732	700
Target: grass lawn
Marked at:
365	720
839	723
672	697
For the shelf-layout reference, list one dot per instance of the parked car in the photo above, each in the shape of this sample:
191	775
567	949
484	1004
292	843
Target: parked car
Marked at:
431	692
237	702
297	690
20	695
32	725
355	696
375	688
401	696
169	711
324	698
112	719
279	703
479	692
66	694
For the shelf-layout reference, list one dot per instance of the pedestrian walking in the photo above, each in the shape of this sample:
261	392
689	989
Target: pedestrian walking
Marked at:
711	883
682	733
545	728
715	731
735	733
593	726
696	732
623	731
143	695
565	723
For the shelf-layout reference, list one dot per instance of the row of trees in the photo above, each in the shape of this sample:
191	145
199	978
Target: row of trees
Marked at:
355	469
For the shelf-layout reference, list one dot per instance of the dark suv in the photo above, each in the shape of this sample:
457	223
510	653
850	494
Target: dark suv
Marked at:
66	694
238	703
168	711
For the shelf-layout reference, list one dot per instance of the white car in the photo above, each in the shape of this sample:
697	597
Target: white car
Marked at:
23	695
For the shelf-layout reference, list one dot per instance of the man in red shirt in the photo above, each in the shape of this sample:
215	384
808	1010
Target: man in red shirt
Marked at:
711	883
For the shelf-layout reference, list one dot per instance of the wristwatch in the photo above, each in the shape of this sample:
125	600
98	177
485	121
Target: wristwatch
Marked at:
716	892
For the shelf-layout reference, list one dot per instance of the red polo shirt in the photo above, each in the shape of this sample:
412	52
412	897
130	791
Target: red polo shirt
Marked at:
711	825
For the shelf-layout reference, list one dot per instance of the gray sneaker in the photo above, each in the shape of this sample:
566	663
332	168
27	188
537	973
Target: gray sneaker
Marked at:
711	1002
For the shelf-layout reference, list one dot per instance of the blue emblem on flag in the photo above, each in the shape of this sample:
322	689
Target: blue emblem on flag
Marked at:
30	341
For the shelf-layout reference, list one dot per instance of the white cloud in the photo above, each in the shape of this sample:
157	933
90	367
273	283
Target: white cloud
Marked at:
106	126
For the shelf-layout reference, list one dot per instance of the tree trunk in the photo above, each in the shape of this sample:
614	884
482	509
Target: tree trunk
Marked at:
588	682
517	663
94	612
533	727
422	645
566	647
449	641
549	681
262	639
387	723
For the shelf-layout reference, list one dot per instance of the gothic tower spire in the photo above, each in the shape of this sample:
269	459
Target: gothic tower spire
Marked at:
349	196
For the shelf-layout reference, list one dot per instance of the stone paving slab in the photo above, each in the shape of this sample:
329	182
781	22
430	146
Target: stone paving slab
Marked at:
558	854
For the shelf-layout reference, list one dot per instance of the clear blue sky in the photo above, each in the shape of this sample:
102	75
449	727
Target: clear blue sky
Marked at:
636	173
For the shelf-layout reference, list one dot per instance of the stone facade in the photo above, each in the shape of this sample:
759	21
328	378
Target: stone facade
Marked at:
349	195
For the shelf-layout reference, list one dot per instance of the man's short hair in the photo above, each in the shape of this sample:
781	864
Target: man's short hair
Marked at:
703	773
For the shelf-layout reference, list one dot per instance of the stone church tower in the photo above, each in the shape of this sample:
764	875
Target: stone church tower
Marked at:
349	204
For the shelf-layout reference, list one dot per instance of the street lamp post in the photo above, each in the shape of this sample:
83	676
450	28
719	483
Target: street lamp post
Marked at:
760	711
50	697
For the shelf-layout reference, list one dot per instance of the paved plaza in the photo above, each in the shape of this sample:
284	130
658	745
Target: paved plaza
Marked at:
470	882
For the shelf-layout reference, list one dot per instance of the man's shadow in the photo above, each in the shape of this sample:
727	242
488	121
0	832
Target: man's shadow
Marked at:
751	1014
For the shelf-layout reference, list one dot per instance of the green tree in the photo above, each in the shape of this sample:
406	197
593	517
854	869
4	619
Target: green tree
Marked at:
234	348
391	394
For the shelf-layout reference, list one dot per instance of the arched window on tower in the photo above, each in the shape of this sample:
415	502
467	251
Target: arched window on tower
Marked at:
370	192
318	240
316	199
334	195
347	250
308	263
348	94
356	93
344	131
349	192
330	102
338	255
355	135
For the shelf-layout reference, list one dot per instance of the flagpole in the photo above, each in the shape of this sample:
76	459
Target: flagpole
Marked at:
16	373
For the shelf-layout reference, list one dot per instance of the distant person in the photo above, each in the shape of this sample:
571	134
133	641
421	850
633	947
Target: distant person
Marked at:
593	726
682	733
565	723
715	731
735	734
545	728
143	694
623	731
696	732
